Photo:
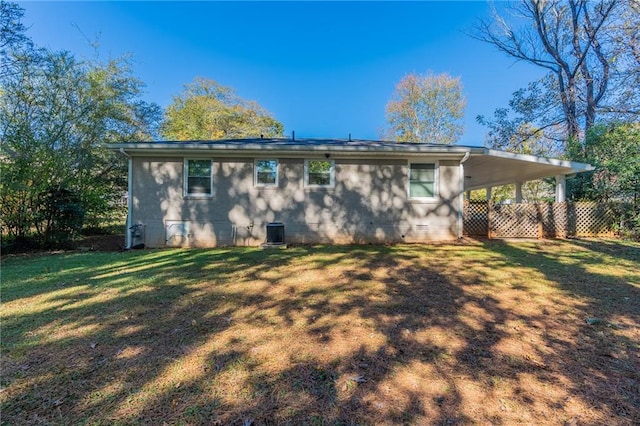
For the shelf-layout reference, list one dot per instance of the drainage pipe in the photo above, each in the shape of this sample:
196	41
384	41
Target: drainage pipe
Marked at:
461	196
127	243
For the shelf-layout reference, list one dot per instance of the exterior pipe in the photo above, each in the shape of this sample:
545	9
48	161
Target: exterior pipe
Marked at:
127	241
461	196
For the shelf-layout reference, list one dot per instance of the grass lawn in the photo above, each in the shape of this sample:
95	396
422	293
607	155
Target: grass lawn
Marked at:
543	332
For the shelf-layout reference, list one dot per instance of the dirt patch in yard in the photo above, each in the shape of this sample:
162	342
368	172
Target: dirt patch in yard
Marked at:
484	332
101	243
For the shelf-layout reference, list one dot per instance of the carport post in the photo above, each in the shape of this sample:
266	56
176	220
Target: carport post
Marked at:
561	188
518	192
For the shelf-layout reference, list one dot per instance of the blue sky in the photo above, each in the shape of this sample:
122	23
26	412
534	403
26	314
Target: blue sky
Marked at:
324	69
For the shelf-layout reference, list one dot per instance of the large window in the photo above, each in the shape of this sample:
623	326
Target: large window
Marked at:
266	173
422	180
198	178
319	173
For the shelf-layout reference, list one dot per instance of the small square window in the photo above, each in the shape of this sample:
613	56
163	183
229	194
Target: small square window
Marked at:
422	180
198	178
266	172
319	173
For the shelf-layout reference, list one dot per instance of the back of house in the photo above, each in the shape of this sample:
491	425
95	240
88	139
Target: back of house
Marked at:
230	192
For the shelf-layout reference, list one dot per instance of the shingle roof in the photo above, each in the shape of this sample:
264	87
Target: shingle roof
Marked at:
287	144
296	142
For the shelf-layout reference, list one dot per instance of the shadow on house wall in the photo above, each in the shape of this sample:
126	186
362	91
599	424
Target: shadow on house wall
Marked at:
369	203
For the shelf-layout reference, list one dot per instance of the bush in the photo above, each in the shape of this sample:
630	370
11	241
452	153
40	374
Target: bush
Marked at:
63	216
628	221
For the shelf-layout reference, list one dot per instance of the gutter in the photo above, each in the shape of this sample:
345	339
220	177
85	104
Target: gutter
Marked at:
461	196
289	148
127	243
298	153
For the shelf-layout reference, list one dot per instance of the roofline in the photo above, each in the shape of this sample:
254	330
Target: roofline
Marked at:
284	146
388	147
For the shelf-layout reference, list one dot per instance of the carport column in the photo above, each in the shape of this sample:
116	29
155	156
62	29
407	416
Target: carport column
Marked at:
561	188
518	192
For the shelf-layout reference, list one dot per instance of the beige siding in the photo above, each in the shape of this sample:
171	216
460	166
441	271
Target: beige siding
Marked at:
369	203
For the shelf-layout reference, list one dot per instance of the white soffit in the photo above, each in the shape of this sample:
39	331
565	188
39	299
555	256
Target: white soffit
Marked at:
494	168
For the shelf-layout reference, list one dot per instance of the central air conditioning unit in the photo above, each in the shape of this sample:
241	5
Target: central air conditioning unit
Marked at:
275	234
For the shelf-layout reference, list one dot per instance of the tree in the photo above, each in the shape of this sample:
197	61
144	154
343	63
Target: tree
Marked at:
426	108
12	35
591	51
55	114
206	110
520	128
614	149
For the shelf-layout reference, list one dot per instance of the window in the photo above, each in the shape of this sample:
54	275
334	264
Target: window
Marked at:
266	172
198	178
319	173
422	180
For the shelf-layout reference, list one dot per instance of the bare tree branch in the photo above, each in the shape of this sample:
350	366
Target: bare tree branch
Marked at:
590	48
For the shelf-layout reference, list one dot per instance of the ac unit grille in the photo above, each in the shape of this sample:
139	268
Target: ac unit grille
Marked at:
275	233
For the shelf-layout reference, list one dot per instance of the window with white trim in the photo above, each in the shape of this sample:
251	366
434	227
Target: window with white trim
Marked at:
422	180
319	173
198	180
266	172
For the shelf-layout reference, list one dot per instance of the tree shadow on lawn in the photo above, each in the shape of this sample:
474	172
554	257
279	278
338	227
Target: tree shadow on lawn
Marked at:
595	341
314	335
615	248
115	325
56	271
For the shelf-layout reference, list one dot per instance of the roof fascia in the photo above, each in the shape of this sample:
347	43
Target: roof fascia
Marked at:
157	149
575	166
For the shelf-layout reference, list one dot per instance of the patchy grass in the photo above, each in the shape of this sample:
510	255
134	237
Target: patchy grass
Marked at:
485	332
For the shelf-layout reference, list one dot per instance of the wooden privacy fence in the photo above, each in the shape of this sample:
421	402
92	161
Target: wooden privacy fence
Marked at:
544	220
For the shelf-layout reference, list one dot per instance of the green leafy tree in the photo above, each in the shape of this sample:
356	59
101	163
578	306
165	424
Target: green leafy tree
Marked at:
205	110
55	115
426	108
614	150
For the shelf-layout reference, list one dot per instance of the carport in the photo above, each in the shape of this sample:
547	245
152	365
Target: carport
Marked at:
486	168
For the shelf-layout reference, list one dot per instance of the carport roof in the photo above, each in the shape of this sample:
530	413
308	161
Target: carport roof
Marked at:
487	167
482	167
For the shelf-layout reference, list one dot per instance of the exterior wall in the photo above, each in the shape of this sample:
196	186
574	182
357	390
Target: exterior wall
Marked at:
369	203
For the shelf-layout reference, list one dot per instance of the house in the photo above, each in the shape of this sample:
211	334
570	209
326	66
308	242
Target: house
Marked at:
226	192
